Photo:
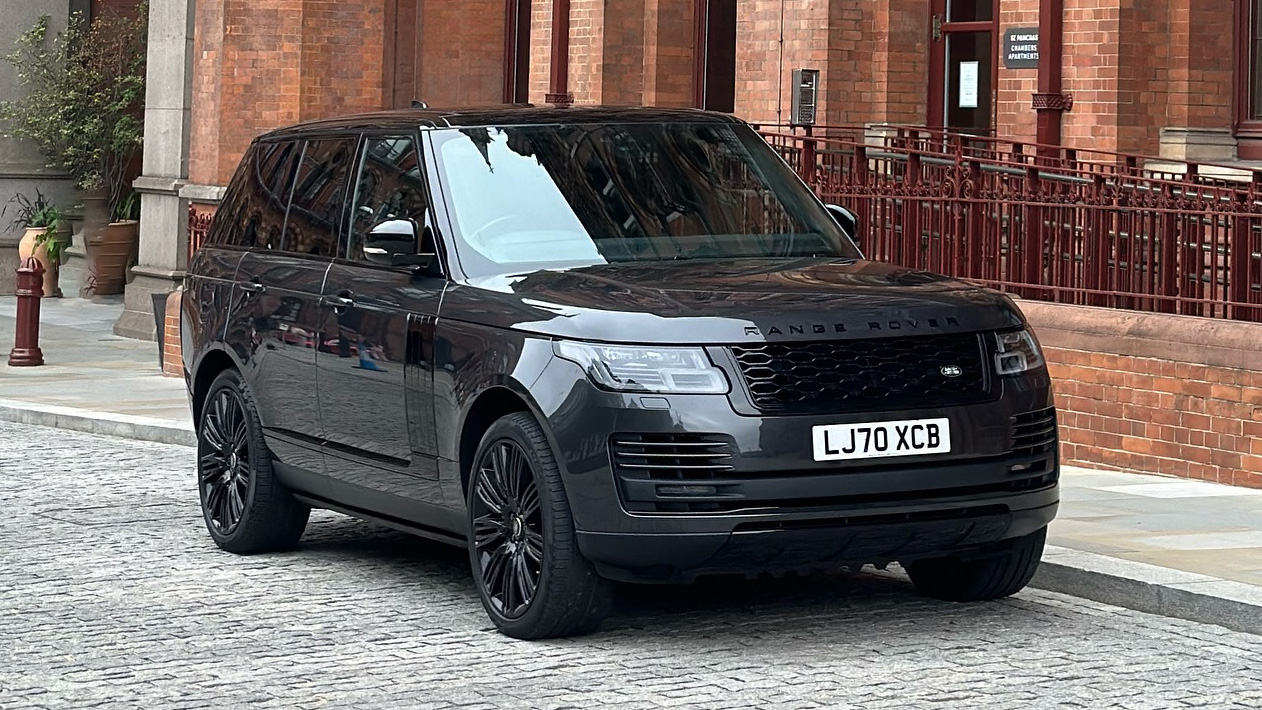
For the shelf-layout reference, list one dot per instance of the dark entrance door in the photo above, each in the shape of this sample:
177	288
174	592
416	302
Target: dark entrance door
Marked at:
962	66
715	74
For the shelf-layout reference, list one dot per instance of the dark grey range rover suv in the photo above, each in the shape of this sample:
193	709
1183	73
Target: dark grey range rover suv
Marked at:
601	345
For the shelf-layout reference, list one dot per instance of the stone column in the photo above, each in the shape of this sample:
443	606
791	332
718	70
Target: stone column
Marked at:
22	168
163	213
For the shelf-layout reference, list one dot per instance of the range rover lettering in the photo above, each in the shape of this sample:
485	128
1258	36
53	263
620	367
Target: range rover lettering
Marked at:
600	345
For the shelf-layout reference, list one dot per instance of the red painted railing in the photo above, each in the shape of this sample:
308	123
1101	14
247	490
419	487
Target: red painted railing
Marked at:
1072	226
199	217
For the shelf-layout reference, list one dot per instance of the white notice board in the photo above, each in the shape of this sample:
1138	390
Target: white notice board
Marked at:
968	84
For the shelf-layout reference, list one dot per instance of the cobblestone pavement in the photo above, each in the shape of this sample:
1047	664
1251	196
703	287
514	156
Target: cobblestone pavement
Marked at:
111	594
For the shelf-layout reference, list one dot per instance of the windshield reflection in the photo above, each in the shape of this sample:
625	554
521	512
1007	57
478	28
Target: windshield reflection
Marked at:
531	197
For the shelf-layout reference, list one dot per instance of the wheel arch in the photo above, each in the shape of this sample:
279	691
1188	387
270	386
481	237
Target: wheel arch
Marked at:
209	366
490	405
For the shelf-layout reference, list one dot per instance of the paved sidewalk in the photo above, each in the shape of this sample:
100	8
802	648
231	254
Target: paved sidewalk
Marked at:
1165	545
92	380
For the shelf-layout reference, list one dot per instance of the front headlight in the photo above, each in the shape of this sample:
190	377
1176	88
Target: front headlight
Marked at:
1018	352
644	368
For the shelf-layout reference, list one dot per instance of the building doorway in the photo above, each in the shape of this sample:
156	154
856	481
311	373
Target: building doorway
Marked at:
962	65
714	83
516	51
1248	120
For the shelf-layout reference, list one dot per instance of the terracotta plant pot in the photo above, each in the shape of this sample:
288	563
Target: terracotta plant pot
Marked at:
28	248
109	252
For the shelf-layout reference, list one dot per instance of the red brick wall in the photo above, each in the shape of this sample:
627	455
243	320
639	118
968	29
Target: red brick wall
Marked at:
462	52
587	50
261	64
1014	118
172	346
341	63
1155	393
623	65
1160	416
540	49
1143	87
872	56
1201	65
1133	68
902	66
763	71
669	59
1091	72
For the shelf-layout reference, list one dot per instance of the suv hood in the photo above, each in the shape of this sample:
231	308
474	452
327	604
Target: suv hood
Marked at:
730	302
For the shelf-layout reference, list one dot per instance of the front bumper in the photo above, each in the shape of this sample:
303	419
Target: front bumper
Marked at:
774	508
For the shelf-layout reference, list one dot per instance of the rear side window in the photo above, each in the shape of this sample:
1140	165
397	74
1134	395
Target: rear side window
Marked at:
315	223
253	213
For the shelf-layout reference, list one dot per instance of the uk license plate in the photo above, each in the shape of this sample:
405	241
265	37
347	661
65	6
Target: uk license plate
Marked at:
870	440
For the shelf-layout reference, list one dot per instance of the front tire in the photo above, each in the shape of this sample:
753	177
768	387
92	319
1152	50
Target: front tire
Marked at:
532	580
245	507
956	580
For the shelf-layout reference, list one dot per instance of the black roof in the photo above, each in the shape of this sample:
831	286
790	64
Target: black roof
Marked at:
506	115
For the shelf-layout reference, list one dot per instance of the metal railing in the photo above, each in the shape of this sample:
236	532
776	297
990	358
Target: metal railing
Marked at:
1051	223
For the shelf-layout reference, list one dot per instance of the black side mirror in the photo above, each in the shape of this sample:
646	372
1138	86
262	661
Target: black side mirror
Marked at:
848	221
391	240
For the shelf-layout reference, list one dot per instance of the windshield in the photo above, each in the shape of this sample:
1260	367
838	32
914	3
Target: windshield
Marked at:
533	197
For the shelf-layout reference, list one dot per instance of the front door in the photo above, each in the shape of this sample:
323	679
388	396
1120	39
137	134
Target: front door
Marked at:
373	375
964	36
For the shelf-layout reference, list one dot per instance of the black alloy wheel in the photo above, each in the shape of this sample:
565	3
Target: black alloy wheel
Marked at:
508	528
530	575
246	508
224	473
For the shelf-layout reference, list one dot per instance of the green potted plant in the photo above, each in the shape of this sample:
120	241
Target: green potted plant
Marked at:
83	106
42	222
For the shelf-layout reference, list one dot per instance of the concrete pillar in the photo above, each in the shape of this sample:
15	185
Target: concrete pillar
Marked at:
163	213
22	168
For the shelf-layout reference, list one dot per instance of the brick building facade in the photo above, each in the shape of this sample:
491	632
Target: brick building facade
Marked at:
1160	76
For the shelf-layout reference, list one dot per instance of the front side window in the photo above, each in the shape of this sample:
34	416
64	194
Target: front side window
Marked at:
531	197
390	188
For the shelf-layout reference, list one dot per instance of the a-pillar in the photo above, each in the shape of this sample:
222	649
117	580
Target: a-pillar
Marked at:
163	213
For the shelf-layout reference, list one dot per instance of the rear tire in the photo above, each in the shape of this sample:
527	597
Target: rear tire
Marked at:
245	507
956	580
532	580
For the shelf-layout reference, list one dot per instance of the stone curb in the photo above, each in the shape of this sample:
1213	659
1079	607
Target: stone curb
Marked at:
1151	589
163	431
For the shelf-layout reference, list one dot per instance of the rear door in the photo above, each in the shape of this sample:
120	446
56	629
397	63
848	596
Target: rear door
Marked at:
280	280
375	377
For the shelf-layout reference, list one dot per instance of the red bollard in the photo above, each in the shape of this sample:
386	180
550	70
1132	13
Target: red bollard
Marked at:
30	290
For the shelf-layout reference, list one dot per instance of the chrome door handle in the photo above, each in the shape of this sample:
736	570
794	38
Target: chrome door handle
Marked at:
337	303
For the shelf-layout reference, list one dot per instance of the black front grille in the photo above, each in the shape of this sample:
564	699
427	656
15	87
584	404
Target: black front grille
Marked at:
886	373
671	457
1034	433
